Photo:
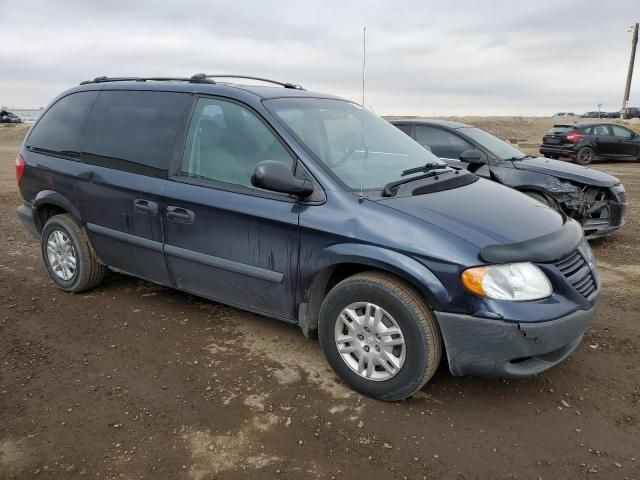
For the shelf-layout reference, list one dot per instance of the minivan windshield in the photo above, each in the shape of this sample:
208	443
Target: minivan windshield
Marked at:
360	148
500	148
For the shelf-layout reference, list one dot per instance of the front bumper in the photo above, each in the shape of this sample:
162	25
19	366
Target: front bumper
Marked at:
479	346
610	218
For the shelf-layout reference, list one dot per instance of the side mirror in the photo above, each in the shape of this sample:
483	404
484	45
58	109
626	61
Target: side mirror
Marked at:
277	177
473	156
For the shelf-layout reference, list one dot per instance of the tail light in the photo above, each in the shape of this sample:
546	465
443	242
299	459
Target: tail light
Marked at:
21	165
575	137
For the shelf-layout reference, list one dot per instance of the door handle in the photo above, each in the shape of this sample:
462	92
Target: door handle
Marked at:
180	215
145	206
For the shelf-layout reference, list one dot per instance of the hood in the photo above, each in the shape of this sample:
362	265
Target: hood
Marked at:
482	213
567	171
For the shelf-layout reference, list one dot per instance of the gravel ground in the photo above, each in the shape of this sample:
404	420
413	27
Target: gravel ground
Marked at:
134	380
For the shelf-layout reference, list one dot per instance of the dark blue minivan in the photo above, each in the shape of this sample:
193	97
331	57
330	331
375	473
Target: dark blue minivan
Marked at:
309	209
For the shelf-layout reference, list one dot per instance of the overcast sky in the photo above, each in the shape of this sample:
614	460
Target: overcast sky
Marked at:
423	57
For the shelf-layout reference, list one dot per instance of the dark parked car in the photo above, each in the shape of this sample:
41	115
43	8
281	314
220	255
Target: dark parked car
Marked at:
594	115
312	210
586	142
613	115
631	112
593	198
9	117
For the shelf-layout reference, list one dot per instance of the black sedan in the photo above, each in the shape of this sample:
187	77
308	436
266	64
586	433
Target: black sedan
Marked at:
586	142
595	199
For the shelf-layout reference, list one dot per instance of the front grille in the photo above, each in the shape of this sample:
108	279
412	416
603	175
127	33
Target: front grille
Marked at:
577	271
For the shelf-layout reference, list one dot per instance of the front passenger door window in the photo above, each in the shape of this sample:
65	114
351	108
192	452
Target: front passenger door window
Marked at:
625	144
621	132
226	141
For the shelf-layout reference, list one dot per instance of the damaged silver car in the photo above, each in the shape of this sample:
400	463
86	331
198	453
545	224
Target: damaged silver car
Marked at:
595	199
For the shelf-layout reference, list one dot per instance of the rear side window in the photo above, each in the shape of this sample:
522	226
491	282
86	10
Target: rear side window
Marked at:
134	130
601	130
61	127
442	143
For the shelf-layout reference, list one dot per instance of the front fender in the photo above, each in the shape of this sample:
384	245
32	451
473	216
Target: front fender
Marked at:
397	263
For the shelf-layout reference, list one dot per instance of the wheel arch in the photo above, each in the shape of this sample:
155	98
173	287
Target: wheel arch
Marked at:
350	259
48	203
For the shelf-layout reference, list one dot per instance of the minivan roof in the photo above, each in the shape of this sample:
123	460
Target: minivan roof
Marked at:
217	88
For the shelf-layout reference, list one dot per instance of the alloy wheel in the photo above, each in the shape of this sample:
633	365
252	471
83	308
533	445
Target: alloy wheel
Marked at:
61	255
370	341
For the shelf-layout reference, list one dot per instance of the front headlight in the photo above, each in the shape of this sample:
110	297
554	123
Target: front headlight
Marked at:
511	281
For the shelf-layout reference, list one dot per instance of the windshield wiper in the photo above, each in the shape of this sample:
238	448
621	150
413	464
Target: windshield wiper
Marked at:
427	167
513	159
388	190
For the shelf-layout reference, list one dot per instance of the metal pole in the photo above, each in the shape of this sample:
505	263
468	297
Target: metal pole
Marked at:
627	90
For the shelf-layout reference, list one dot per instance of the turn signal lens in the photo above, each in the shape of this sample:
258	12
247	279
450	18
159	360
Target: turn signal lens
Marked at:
472	279
513	281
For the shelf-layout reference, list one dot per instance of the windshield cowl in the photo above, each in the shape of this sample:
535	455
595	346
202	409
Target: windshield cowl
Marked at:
431	182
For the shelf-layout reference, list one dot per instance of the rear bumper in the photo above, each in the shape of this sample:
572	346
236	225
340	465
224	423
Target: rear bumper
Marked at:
26	216
559	150
479	346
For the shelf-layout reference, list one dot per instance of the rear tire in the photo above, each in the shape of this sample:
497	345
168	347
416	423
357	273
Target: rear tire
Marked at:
68	256
585	156
546	155
355	324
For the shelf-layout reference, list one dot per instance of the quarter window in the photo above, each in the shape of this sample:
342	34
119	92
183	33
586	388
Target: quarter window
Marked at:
225	143
442	143
135	130
61	127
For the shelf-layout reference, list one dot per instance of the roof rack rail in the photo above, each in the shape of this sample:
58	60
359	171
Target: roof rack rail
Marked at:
204	76
105	79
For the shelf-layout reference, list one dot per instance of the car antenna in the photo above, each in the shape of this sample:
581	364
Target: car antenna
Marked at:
364	57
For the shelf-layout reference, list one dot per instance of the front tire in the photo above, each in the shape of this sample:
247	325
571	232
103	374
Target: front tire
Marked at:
585	156
379	336
68	255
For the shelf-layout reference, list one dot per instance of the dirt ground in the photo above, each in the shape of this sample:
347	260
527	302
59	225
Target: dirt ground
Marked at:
133	380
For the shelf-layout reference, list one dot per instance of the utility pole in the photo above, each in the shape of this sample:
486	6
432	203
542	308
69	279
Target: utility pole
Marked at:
627	90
